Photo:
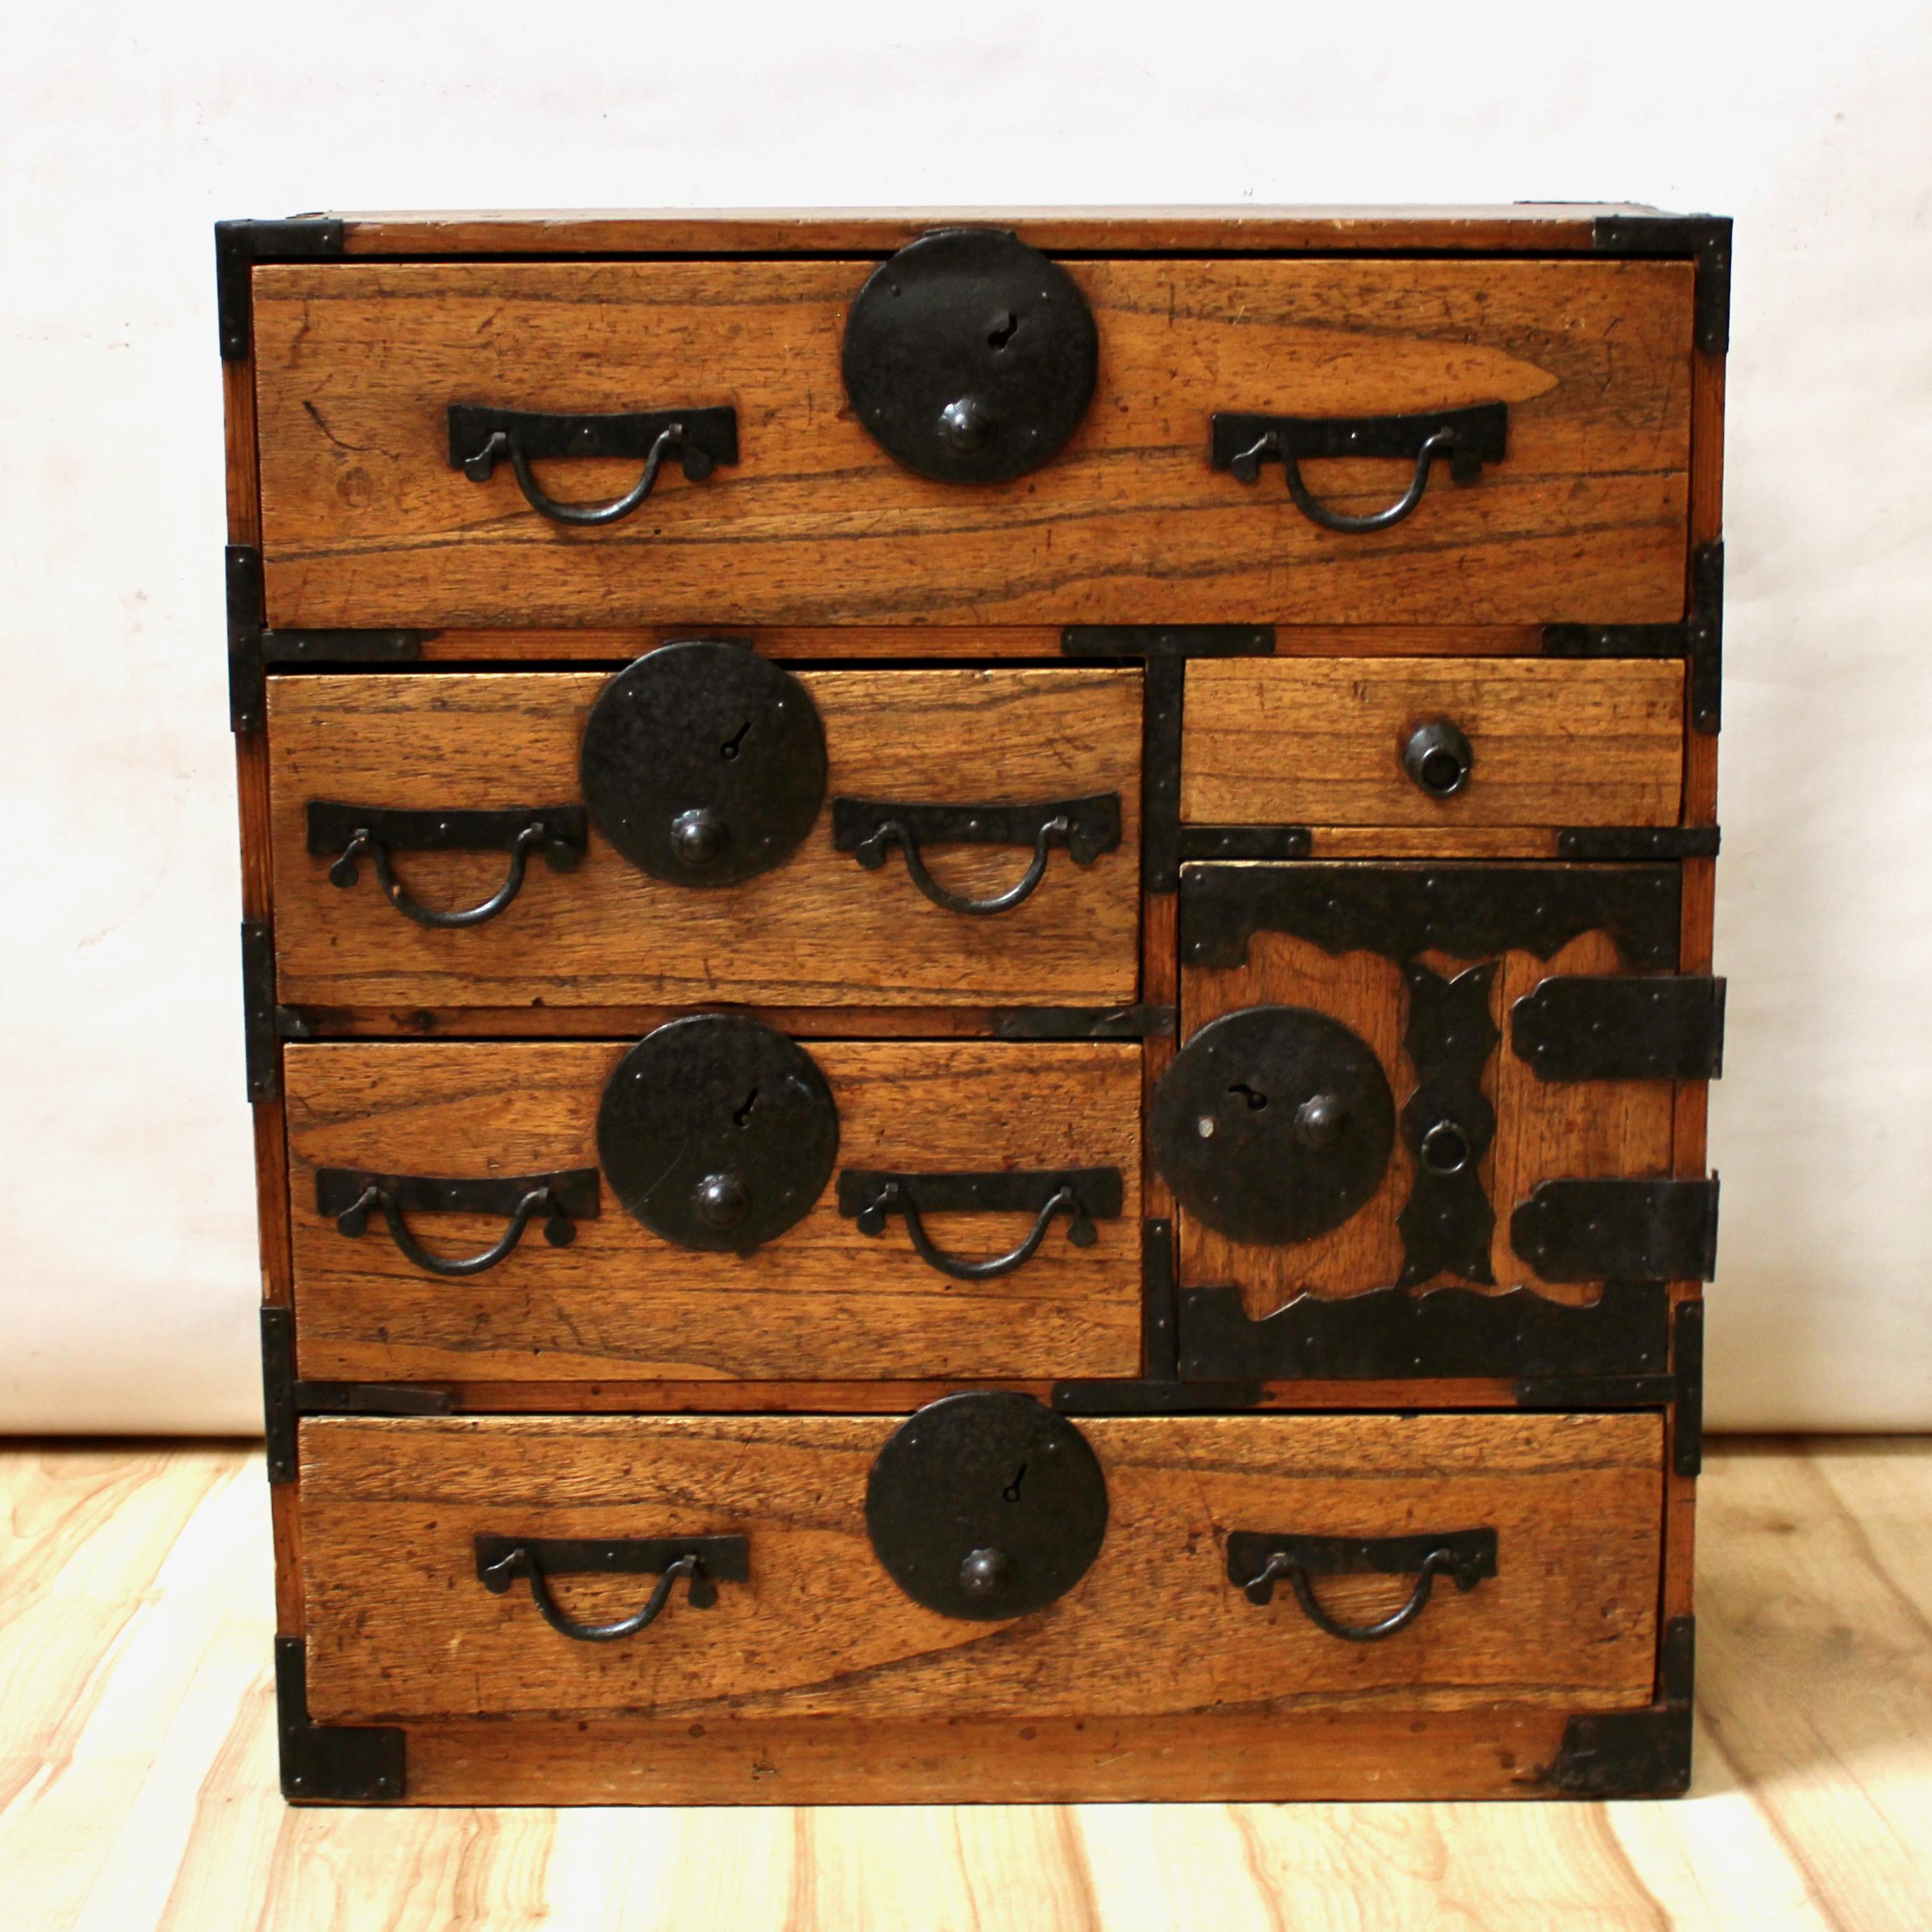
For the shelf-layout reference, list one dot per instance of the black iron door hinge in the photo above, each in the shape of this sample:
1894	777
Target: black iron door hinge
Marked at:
1618	1229
239	245
1700	638
1586	1027
1643	1754
252	648
343	1764
285	1401
1705	238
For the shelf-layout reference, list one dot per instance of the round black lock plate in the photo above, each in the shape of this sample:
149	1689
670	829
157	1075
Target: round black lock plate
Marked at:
703	763
1273	1124
717	1132
986	1506
971	357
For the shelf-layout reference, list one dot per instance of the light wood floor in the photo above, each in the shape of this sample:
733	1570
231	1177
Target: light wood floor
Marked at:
137	1763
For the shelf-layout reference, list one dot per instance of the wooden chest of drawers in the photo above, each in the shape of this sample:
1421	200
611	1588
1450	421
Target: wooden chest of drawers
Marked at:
978	994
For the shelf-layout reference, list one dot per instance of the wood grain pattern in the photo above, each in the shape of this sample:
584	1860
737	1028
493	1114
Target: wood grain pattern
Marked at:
821	1302
1545	1130
1319	741
818	930
399	1626
364	523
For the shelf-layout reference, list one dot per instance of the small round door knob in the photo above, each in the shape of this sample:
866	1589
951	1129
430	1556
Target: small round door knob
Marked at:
1318	1122
984	1573
723	1200
1437	756
698	838
966	424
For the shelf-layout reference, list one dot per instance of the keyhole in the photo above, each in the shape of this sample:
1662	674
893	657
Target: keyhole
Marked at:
729	749
742	1117
1011	1491
1004	326
1256	1101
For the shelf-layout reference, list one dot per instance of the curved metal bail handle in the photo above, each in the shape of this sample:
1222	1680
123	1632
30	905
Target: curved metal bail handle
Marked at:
1281	1564
559	1230
892	1197
1247	465
870	853
364	842
669	440
521	1563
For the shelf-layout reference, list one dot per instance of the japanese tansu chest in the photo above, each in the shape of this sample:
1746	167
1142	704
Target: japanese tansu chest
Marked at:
979	997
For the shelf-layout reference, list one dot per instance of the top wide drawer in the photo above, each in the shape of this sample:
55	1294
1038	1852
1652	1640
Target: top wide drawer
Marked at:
1575	509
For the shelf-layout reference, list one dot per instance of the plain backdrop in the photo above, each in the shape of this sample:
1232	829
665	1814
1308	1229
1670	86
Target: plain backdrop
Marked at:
128	1299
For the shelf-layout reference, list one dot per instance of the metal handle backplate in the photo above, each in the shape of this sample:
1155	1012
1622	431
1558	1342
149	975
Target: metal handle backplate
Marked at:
1257	1561
1084	1194
706	1560
565	1197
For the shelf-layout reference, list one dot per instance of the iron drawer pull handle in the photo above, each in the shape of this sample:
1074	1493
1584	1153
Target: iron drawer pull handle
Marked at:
363	842
1084	1194
1257	1560
502	443
1280	1564
871	855
892	1199
1247	465
520	1563
559	1229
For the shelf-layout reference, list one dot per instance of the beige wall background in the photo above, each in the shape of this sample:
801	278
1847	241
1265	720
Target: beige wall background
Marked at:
128	1280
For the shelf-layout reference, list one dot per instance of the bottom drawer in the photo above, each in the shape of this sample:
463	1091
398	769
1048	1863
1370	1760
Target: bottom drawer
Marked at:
419	1538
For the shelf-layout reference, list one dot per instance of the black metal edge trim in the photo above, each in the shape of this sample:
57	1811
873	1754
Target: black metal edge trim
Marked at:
278	1391
343	1764
306	647
709	434
575	1191
1245	842
1163	701
1098	1190
1153	1398
332	825
261	1030
1474	1552
239	245
1160	1332
1700	638
1584	1026
1570	1394
1449	1334
1686	1425
247	684
374	1399
727	1559
1644	1754
1614	842
1095	821
1481	431
1135	1022
1167	640
1705	238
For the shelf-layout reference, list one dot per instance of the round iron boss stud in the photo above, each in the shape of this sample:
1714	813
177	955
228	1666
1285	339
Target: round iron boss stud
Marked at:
971	357
1273	1124
717	1132
703	763
986	1506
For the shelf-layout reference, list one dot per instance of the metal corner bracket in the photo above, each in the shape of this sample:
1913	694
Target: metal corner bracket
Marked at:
1642	1753
341	1764
239	245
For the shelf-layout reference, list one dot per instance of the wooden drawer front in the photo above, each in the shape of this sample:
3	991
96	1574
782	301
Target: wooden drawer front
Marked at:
364	521
399	1625
1322	741
818	930
822	1301
1419	971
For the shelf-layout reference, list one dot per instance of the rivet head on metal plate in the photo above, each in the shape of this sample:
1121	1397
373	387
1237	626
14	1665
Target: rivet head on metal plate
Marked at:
703	763
971	357
986	1506
1273	1124
717	1132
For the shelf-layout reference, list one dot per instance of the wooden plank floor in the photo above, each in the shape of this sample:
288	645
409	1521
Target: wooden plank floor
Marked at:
137	1764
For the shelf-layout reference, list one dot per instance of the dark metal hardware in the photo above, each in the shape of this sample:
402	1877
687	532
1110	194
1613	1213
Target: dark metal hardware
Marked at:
1160	1328
1686	1418
868	828
1245	842
1153	1396
1643	1754
1468	438
566	1197
1256	1561
1274	1123
561	832
332	647
239	245
1637	841
717	1132
1437	756
1666	1027
1448	1124
1168	640
261	1052
1705	238
970	357
705	1561
479	436
1468	911
703	763
1569	1395
342	1764
986	1506
1389	1334
1700	638
1084	1194
1137	1022
1619	1230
